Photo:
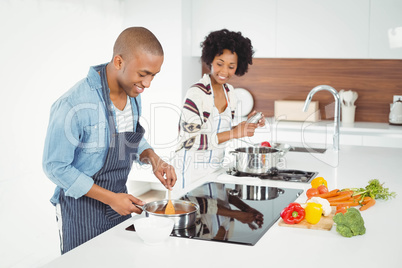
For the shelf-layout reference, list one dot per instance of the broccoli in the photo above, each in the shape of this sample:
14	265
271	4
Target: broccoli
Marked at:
350	224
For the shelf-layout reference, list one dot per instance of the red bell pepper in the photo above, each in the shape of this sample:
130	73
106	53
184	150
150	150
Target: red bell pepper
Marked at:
292	214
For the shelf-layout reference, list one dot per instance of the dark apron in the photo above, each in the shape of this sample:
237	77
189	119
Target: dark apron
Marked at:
84	218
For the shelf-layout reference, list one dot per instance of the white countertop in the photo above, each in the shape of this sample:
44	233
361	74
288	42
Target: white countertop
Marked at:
356	127
280	246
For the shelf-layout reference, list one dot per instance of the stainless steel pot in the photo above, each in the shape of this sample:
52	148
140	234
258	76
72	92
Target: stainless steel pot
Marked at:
283	148
256	160
183	220
260	193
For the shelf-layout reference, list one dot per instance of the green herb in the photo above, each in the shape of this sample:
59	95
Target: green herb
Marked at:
375	190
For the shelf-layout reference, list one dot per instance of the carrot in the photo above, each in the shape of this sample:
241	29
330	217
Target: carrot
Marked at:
369	204
340	197
349	202
349	192
332	193
365	200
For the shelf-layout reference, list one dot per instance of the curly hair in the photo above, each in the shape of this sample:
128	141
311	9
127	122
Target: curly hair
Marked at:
217	41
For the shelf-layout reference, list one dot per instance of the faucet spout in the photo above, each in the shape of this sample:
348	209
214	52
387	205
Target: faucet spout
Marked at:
336	114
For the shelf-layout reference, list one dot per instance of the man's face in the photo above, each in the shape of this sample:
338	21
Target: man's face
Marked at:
137	73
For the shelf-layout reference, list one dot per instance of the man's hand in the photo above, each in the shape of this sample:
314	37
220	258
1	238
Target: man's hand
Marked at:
162	170
122	203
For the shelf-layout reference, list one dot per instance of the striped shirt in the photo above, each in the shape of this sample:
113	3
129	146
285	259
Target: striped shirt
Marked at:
195	126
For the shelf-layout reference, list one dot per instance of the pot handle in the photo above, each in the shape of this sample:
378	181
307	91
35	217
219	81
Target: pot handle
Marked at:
233	152
140	207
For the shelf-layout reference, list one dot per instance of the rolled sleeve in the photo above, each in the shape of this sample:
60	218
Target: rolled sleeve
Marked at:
62	143
143	145
80	187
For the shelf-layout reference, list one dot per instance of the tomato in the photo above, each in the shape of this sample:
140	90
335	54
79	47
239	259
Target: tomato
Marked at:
322	189
312	192
341	208
265	144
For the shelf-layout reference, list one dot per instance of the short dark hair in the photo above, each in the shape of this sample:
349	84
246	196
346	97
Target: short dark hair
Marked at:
136	39
217	41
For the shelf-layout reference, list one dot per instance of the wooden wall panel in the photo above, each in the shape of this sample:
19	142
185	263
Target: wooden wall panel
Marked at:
376	81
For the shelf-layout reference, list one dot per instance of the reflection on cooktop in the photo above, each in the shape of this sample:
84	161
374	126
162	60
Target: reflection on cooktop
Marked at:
292	175
235	213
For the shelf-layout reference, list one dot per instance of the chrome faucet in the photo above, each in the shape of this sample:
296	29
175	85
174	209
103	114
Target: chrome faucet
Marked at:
337	110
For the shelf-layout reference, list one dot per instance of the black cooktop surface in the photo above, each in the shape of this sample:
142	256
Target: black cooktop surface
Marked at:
292	175
235	213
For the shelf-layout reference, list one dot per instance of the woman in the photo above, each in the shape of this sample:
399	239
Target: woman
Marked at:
206	121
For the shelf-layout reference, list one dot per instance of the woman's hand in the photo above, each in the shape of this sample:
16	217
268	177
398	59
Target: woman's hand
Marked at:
243	129
261	122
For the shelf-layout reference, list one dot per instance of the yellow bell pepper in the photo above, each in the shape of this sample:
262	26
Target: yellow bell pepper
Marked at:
318	181
313	212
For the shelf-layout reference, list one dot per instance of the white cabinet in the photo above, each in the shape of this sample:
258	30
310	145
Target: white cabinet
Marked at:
255	19
322	29
386	29
358	29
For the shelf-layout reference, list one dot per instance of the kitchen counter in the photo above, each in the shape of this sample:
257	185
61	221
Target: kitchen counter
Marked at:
358	133
280	246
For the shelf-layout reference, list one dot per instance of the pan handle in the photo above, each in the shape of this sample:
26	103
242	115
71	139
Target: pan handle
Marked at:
140	207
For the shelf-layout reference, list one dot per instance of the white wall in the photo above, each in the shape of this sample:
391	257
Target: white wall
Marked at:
46	47
162	102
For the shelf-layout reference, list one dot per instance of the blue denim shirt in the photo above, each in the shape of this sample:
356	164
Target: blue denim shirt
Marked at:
78	136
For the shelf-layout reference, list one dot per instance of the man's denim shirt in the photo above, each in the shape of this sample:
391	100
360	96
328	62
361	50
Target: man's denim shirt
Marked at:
78	137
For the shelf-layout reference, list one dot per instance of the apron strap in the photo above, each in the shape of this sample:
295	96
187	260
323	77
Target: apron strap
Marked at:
109	104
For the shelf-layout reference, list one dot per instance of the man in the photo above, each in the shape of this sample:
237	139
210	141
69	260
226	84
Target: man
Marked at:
94	135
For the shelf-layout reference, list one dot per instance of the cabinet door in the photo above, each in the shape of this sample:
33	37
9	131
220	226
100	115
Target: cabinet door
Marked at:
322	28
255	19
386	29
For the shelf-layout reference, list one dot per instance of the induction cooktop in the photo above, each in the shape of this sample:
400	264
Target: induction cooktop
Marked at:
292	175
230	214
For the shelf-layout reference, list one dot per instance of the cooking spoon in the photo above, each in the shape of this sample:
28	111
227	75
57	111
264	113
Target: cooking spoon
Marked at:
169	207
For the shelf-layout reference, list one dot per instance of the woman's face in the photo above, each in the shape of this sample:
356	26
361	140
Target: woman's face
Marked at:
223	67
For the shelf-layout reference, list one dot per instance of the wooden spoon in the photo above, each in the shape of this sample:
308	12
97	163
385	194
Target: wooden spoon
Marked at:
169	207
